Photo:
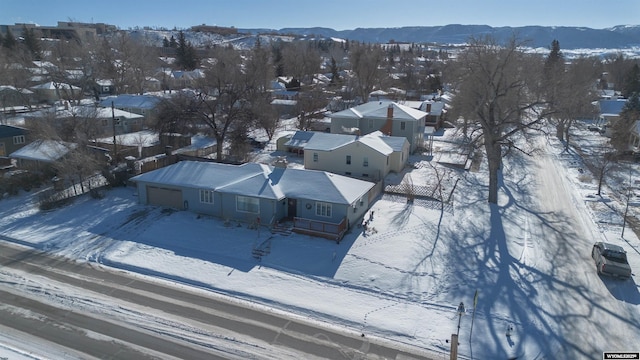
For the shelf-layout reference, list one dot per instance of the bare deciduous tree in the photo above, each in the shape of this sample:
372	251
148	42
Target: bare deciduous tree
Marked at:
365	62
494	92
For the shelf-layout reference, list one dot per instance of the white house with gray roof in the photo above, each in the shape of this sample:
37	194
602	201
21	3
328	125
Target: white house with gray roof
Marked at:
318	202
389	117
370	157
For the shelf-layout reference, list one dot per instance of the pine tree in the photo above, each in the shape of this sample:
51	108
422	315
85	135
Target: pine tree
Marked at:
335	76
9	41
32	43
186	57
165	42
621	128
632	82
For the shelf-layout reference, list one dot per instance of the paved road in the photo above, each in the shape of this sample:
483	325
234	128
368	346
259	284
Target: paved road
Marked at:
248	331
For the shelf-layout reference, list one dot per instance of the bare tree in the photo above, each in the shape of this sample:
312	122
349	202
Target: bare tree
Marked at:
365	63
301	60
221	105
494	92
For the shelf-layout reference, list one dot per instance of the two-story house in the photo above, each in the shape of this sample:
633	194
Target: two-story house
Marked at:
390	118
369	157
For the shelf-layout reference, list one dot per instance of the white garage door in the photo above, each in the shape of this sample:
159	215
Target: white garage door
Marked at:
164	197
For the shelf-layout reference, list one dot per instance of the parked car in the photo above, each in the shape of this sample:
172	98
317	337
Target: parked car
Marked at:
611	260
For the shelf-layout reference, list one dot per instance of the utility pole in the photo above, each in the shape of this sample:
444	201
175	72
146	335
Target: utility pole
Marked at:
626	209
113	124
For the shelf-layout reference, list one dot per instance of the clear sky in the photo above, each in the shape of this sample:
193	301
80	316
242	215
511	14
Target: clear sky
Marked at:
336	14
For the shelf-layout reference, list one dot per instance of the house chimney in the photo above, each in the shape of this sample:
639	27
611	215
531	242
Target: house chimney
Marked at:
388	125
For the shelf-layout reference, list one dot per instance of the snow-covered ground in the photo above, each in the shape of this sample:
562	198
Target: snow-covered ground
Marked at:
527	257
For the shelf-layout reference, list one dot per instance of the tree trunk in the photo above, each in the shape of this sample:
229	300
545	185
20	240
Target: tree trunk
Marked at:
560	131
494	160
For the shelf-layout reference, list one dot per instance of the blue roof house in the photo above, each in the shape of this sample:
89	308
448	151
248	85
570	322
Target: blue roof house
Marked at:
318	202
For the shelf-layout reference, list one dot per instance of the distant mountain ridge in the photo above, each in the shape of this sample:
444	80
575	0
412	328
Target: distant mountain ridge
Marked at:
537	36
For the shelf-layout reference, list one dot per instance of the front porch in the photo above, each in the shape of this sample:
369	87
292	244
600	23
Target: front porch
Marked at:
323	229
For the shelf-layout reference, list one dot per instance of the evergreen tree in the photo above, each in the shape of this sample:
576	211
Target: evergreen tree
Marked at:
32	43
186	57
621	128
9	41
172	42
165	42
632	82
335	76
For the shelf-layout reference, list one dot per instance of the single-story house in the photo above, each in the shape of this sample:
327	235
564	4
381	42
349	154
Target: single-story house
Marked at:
100	121
609	110
145	105
318	202
11	97
40	155
390	118
370	157
51	92
12	138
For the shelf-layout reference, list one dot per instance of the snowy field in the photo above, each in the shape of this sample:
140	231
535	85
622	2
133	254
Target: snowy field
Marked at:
527	257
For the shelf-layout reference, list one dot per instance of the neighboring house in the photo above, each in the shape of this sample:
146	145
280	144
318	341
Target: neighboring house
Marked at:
370	157
12	98
95	121
609	110
320	203
104	87
41	155
12	138
144	105
51	92
390	118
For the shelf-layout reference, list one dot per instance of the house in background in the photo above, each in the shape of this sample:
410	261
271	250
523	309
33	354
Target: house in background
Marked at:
52	92
318	202
12	138
95	121
370	157
13	99
144	105
390	118
41	155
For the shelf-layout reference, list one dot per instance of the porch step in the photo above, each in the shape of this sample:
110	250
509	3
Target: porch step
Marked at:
282	229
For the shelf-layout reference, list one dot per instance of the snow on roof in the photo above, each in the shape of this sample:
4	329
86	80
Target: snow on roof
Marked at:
259	180
142	138
611	107
378	109
131	101
43	150
88	111
326	142
53	85
13	88
323	141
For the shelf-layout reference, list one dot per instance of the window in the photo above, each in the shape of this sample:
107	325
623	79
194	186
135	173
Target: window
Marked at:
348	173
206	196
105	122
18	139
370	123
117	120
247	204
365	161
365	175
348	159
323	209
403	125
315	157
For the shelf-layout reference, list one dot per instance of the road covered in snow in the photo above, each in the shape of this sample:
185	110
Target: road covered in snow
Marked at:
398	283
